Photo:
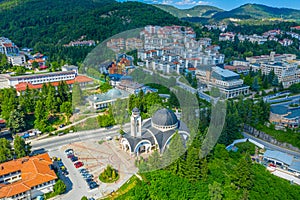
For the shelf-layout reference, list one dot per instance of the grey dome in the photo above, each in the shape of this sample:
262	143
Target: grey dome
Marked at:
114	93
164	117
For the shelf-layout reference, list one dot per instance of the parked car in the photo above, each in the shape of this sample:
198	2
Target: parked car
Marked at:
89	180
93	185
74	159
60	163
61	126
83	170
70	155
78	164
65	172
87	176
69	151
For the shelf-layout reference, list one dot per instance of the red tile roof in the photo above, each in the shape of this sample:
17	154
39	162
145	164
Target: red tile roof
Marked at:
82	79
79	79
34	171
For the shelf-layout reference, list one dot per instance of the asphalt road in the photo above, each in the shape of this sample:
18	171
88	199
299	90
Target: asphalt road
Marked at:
272	146
53	143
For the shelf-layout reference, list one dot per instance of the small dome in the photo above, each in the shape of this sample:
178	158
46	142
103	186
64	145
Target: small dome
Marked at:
114	93
164	117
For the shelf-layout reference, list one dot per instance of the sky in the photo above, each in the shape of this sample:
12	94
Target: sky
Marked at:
225	4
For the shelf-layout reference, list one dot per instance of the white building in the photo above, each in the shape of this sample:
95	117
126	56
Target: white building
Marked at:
11	81
287	73
16	60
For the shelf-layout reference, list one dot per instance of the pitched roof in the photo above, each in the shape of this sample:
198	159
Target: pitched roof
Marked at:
82	79
22	86
34	171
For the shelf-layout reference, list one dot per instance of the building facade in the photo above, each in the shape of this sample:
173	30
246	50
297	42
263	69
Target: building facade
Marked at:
26	178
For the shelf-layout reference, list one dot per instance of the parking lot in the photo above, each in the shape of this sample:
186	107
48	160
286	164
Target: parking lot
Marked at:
95	157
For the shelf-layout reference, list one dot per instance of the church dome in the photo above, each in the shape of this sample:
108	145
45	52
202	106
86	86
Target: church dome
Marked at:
164	119
114	93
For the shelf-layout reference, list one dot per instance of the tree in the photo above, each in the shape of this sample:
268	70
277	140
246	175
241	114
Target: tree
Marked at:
84	198
41	116
63	91
16	121
8	102
242	176
35	65
5	150
215	191
66	107
255	86
51	100
173	153
77	96
104	87
59	187
21	149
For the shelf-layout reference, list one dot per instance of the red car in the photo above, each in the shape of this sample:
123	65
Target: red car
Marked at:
78	164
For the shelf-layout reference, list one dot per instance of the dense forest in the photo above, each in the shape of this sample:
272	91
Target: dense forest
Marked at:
47	25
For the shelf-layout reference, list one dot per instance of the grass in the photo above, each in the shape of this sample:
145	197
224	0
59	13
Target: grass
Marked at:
289	136
131	183
89	124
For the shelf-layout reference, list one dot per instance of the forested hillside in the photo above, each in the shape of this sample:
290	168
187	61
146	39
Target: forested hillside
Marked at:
258	11
46	25
197	11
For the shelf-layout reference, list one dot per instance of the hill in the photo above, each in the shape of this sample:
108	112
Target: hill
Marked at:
197	11
46	25
258	11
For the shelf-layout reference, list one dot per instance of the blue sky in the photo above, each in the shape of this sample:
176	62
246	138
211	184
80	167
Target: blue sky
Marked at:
226	4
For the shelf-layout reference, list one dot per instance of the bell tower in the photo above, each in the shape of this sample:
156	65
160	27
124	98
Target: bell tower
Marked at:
136	123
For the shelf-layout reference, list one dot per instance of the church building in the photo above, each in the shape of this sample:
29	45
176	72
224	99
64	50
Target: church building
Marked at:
153	133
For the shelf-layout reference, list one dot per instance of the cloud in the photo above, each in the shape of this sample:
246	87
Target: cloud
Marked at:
167	2
191	3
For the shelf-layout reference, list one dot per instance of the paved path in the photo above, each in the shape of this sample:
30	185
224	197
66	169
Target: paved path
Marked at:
78	122
57	141
272	146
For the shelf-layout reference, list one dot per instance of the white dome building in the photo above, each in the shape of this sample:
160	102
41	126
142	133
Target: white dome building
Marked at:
154	133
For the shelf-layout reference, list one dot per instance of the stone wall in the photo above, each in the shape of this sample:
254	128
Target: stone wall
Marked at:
262	135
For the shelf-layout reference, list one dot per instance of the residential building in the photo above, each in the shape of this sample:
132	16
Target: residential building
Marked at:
27	177
286	42
16	60
287	73
253	38
273	57
7	47
228	36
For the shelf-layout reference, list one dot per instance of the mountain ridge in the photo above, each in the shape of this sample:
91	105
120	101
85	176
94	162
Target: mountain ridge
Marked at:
246	11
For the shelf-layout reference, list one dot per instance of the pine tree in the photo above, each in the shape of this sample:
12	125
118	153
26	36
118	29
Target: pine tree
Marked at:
20	147
215	191
192	165
16	121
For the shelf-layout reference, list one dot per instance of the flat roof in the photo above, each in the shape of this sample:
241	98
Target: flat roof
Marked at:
279	156
224	72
